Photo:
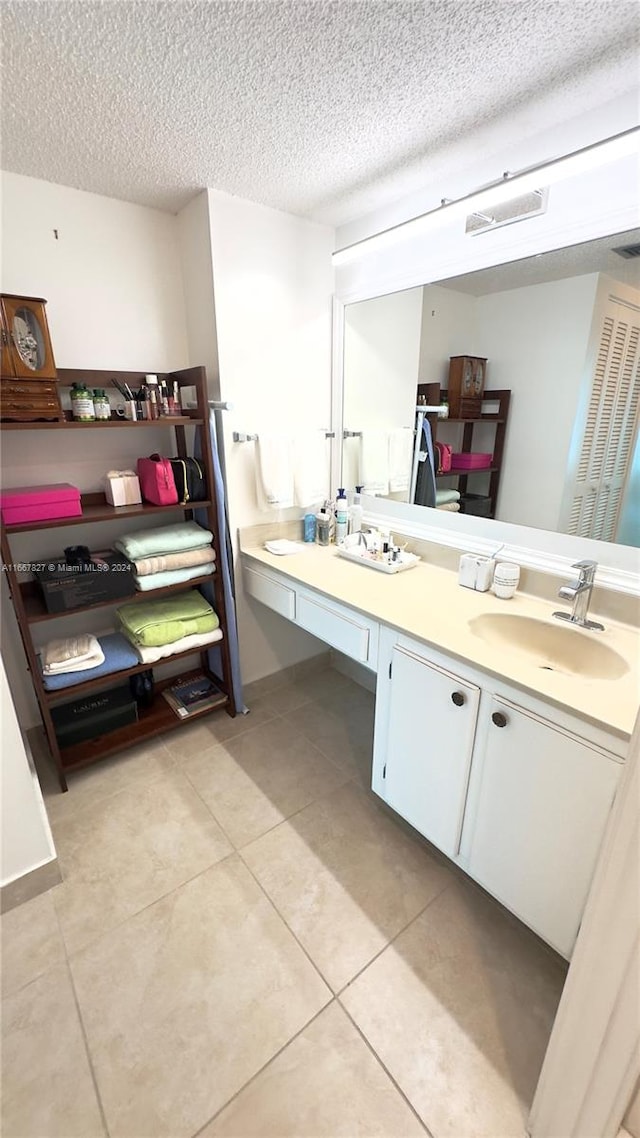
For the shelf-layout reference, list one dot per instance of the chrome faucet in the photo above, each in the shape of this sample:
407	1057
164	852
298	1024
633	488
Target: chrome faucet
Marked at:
580	593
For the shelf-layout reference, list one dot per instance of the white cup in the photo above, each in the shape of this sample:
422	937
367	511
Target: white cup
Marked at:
505	579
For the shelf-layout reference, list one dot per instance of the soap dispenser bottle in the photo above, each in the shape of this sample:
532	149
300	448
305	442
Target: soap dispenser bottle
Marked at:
355	512
342	516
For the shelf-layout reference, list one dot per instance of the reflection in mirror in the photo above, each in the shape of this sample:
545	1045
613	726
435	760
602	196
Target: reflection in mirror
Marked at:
552	440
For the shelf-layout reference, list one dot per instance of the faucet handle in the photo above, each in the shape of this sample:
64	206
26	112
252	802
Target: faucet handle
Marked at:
587	569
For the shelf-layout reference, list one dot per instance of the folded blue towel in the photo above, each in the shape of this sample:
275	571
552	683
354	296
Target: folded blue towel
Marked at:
119	653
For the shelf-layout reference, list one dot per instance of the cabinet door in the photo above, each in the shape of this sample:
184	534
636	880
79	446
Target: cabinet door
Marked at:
431	727
543	804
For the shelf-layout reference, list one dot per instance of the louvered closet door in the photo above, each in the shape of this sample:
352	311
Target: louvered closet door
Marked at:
610	429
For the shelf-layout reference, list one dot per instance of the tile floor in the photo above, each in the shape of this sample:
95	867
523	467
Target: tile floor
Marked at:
247	944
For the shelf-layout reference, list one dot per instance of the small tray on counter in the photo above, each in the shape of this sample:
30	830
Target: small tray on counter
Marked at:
406	560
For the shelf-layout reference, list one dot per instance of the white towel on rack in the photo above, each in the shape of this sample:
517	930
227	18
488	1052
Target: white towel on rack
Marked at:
401	440
310	468
274	471
374	464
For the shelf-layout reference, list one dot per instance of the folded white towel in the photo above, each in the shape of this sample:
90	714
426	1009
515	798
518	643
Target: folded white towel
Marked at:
400	458
374	462
449	507
310	468
72	654
281	546
185	644
274	471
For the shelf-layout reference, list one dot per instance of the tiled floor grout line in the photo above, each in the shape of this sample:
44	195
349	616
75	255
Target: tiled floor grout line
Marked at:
384	1068
83	1029
131	916
263	1068
285	923
394	938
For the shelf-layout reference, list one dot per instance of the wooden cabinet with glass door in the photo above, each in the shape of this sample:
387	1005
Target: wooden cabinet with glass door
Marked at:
28	387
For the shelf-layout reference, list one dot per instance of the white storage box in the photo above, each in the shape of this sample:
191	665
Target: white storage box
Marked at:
122	488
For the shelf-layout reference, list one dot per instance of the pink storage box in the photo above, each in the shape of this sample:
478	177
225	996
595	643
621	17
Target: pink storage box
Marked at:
471	461
39	503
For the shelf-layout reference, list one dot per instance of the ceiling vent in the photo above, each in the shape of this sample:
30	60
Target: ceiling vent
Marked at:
627	251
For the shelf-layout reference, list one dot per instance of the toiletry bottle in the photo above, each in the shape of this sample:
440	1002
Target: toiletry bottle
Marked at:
342	517
82	404
101	406
152	384
164	397
323	519
355	513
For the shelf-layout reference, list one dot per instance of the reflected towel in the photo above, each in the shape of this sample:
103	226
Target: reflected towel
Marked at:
401	441
451	507
274	471
374	462
310	468
445	496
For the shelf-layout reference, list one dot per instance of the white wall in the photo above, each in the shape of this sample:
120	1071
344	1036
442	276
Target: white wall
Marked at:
112	278
449	328
381	354
273	284
26	837
536	339
113	283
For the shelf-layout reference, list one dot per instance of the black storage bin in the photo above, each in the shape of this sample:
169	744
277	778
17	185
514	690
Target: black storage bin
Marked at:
93	715
108	577
478	504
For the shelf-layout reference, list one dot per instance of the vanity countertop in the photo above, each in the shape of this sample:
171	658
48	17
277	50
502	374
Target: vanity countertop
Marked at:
427	603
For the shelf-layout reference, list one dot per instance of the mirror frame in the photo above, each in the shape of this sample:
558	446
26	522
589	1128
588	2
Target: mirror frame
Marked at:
417	265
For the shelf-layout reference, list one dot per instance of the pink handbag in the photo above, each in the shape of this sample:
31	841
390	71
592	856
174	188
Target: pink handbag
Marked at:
444	457
157	484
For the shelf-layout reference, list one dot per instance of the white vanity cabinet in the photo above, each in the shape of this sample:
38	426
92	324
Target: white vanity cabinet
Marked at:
537	811
425	725
351	632
519	801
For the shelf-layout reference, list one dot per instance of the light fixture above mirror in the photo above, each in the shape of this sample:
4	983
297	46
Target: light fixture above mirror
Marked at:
509	186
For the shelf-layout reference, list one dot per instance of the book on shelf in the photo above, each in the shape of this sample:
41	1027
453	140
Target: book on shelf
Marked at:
193	696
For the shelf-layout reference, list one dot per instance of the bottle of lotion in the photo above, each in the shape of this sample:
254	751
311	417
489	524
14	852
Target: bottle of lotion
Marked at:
342	516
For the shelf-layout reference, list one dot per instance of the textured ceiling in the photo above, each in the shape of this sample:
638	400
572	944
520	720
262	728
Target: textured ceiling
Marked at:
324	108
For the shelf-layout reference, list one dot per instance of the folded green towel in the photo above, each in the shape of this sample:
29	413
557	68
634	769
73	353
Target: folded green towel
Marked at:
165	539
153	623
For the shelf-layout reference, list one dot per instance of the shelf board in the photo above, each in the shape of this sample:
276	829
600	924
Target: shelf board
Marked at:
151	721
69	425
61	695
475	470
95	508
480	419
36	611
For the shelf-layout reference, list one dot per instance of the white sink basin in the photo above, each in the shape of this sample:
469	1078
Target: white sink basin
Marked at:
554	647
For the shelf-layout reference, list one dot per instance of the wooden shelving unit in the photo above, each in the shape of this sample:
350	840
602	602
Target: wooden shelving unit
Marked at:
29	605
434	395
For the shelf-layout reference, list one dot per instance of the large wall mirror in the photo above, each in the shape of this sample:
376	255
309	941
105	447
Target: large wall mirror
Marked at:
558	421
